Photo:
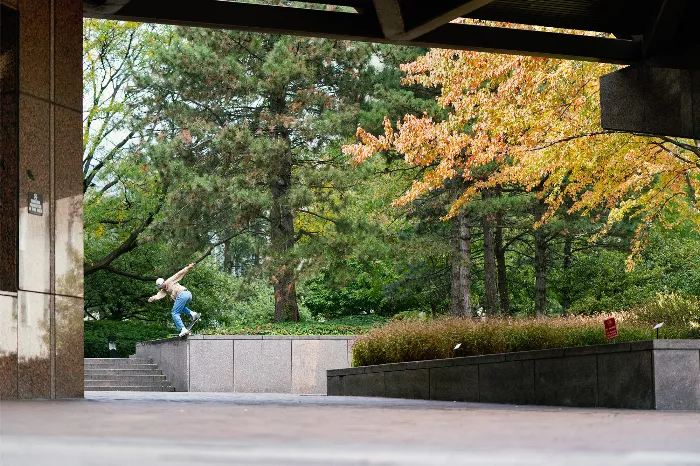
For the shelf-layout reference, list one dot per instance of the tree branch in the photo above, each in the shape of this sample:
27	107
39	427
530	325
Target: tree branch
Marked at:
571	138
211	248
128	245
134	276
317	215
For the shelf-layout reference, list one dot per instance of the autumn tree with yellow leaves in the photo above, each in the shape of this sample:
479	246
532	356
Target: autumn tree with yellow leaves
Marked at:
535	123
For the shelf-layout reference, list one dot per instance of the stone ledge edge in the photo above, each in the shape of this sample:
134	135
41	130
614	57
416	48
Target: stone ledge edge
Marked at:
250	337
642	345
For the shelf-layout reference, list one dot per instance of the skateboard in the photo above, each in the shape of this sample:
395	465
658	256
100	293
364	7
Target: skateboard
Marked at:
184	337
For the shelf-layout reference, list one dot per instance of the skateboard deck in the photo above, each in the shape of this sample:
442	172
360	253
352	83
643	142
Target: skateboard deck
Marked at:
190	328
184	337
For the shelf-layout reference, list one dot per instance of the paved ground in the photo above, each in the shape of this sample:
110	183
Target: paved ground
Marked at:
133	429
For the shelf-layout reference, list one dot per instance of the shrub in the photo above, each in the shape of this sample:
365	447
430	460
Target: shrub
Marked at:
357	325
127	334
672	309
414	340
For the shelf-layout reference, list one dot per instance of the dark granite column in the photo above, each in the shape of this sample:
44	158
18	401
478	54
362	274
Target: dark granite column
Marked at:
45	300
9	150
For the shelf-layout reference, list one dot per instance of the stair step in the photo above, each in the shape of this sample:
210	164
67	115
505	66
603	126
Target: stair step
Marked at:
120	366
126	383
129	361
123	372
130	389
129	378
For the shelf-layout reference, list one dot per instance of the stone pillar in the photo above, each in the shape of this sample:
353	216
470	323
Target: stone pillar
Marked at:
41	226
651	100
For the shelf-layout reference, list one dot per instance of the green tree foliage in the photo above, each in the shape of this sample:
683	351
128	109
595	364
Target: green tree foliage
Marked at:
224	148
249	125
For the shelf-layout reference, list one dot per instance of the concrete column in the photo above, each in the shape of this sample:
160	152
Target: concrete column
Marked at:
651	100
41	276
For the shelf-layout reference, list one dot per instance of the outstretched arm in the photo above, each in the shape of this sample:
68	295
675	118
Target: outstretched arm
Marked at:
180	275
160	295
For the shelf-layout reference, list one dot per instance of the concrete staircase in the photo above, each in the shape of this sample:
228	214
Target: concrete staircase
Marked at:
124	374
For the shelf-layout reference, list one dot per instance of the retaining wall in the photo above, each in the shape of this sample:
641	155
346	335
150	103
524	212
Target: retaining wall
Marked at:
249	364
655	374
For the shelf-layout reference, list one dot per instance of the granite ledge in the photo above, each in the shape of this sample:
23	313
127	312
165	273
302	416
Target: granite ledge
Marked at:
676	344
347	371
536	354
643	345
250	337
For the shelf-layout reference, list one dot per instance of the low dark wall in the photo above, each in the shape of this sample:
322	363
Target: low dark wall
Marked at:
655	374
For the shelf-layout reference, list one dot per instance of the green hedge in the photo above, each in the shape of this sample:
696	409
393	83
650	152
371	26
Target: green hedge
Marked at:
417	340
127	335
357	325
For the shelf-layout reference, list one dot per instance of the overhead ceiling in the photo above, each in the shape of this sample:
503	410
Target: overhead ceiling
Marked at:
629	31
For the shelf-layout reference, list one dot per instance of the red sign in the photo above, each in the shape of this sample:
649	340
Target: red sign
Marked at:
610	328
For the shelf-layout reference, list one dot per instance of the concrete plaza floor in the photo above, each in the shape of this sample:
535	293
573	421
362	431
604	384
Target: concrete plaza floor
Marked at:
133	429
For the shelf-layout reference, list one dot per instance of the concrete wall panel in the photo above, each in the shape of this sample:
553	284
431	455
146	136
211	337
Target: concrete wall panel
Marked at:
68	225
335	386
174	362
35	48
8	347
625	380
413	384
69	347
457	383
507	382
671	391
569	381
310	361
371	384
34	345
35	177
262	366
211	365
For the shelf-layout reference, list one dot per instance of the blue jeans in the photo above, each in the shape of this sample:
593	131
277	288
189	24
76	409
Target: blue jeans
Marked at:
180	306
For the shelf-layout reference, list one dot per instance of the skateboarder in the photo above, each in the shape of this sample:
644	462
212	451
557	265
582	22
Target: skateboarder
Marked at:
181	295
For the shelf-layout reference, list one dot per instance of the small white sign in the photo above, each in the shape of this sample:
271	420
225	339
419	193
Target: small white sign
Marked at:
35	204
659	325
458	345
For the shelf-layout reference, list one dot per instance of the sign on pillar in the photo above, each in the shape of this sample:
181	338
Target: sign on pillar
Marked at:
35	204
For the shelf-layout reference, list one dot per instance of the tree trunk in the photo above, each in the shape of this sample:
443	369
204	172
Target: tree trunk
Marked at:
282	222
282	242
286	308
501	265
490	275
540	261
460	303
228	257
566	293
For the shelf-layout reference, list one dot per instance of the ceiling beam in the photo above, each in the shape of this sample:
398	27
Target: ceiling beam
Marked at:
248	17
436	15
660	35
390	17
103	7
352	26
532	43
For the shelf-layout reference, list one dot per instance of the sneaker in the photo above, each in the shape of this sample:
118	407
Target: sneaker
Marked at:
184	332
195	316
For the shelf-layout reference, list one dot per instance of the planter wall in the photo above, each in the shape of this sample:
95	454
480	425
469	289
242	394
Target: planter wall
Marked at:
655	374
249	364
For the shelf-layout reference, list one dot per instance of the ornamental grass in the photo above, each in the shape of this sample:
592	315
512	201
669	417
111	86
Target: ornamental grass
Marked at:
417	340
